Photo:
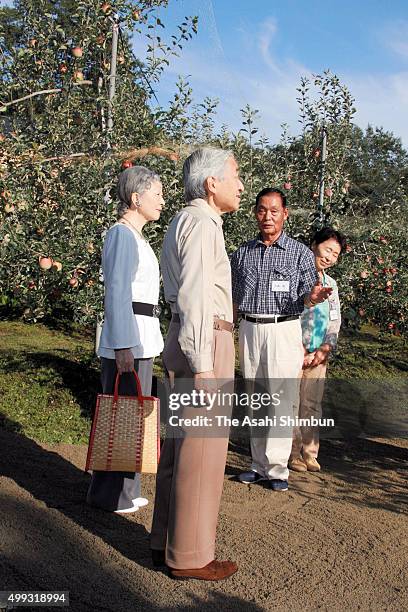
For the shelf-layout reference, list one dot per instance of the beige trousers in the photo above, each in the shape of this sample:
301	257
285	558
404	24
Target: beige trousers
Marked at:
191	472
306	439
272	353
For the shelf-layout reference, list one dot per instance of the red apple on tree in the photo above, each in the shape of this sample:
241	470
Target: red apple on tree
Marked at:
105	7
77	52
73	281
364	274
287	186
127	164
78	75
45	263
63	68
328	192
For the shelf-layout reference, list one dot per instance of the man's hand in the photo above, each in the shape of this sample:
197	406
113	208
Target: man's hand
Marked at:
205	381
321	355
318	294
125	362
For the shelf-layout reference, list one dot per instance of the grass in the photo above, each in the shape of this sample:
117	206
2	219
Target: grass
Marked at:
49	378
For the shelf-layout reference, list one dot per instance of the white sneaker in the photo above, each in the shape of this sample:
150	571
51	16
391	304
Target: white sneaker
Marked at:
140	502
134	508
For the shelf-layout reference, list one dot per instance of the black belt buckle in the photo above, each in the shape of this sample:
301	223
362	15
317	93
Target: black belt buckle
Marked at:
147	310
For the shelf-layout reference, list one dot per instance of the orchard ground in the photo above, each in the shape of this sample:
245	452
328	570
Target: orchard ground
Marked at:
335	541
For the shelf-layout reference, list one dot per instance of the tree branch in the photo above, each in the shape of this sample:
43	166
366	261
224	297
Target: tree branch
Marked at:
41	93
129	155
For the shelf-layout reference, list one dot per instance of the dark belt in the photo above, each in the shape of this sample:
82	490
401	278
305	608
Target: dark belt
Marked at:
277	319
218	323
149	310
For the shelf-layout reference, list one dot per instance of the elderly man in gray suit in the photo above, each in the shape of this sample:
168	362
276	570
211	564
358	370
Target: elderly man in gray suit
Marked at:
199	346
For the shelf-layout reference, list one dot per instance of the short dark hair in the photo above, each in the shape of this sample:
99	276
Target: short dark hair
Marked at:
267	191
329	232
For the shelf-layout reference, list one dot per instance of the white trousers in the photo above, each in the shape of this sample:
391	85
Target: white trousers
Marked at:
272	354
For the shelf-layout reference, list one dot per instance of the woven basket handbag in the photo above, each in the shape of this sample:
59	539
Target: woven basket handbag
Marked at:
125	434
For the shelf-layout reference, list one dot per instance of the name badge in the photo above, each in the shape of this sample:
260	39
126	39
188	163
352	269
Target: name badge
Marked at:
280	286
333	312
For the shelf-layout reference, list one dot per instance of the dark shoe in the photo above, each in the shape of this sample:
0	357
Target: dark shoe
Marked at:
250	477
158	557
216	570
278	485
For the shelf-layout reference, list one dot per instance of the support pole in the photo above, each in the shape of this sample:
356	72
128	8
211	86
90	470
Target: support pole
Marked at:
322	175
112	79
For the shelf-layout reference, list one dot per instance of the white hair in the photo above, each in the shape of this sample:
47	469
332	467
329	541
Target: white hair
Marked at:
133	180
201	164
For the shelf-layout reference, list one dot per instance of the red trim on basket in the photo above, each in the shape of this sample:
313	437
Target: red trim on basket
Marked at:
92	434
145	397
139	450
138	387
111	435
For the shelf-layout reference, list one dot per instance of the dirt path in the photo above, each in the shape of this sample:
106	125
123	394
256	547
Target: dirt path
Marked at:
336	541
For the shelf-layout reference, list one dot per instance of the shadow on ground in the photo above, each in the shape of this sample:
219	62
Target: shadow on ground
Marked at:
376	467
57	554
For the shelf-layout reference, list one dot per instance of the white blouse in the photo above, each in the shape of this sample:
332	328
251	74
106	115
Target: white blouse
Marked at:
131	274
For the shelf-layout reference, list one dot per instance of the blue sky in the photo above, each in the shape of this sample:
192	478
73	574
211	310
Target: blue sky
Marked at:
255	52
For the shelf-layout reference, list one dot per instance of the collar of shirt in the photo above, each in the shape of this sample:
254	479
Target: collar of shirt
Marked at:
205	207
281	242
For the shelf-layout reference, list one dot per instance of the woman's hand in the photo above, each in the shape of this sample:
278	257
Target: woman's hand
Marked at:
125	362
307	359
321	355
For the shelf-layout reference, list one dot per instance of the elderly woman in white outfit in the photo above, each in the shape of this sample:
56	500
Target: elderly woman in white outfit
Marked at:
131	336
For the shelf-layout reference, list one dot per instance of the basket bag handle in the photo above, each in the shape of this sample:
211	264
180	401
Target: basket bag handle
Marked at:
138	386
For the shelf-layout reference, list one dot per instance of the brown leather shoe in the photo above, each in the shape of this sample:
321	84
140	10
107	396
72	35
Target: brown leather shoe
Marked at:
297	465
215	570
311	463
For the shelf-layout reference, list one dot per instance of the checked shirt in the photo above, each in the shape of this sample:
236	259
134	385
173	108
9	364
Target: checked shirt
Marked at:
255	266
